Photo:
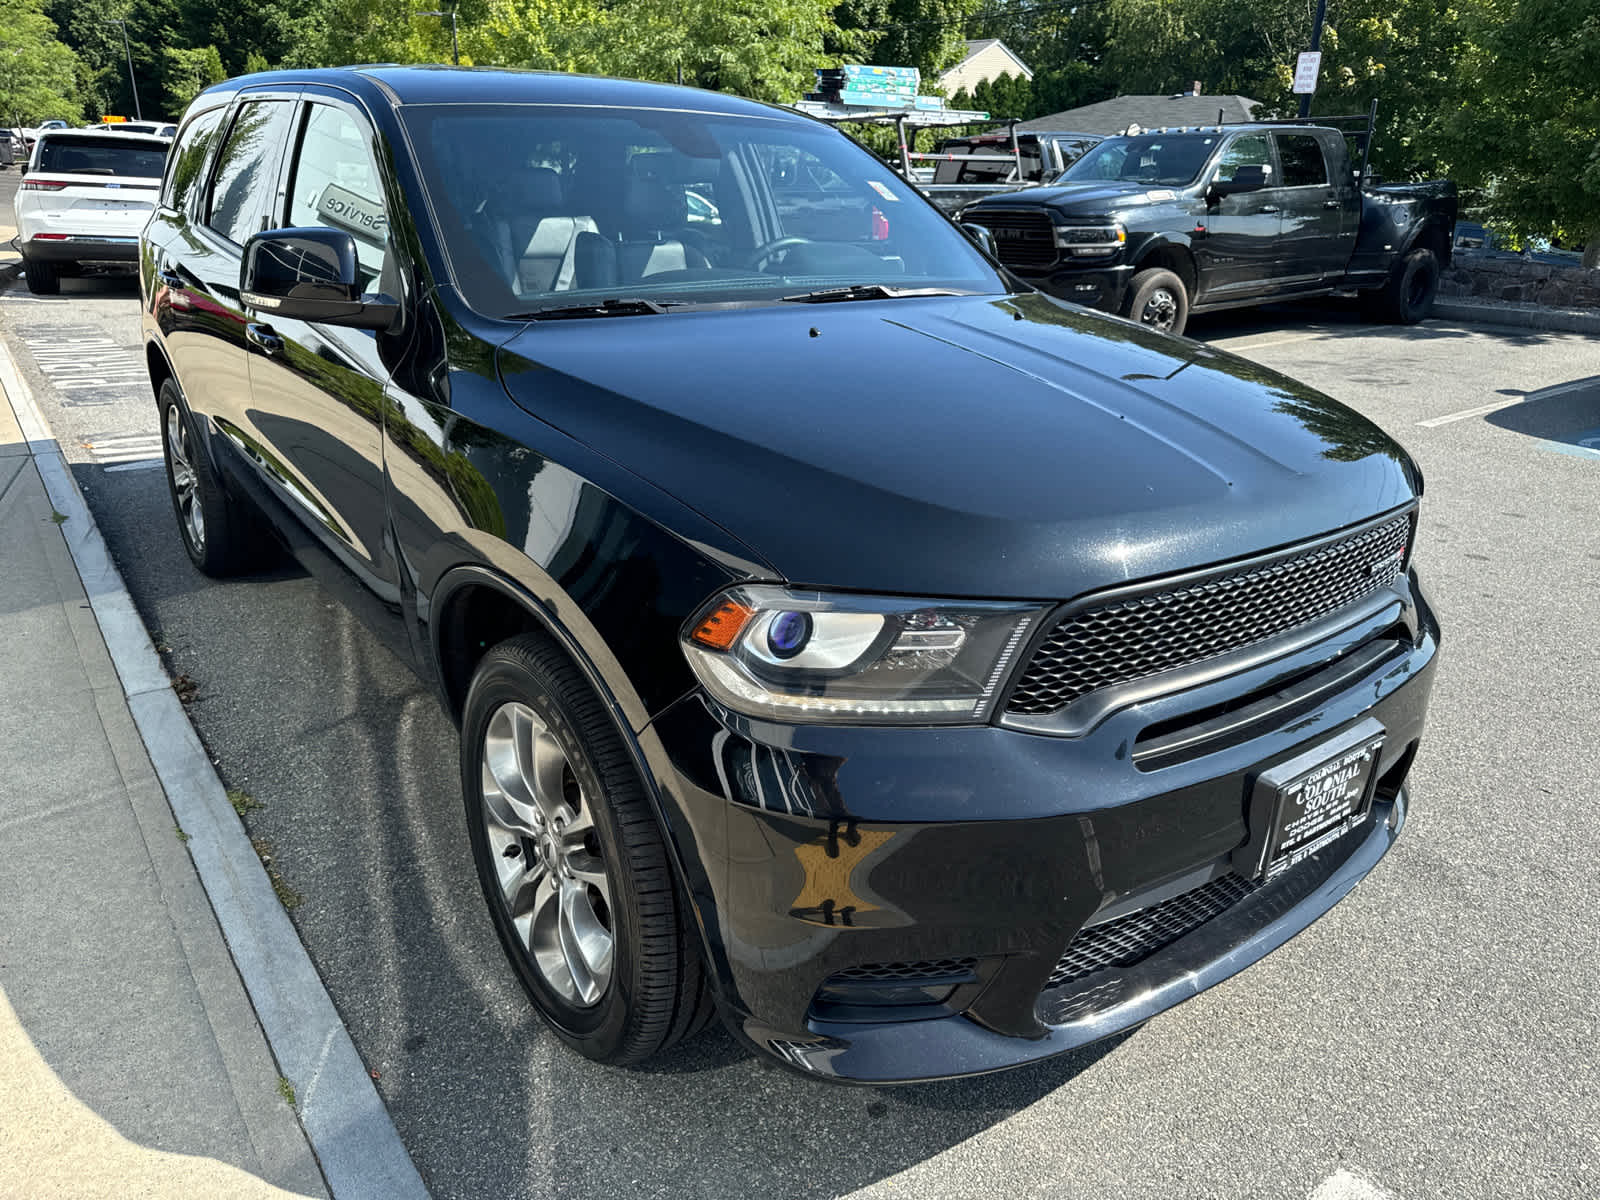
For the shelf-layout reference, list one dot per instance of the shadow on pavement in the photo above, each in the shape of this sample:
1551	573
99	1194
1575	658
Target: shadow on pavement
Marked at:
1336	317
1565	415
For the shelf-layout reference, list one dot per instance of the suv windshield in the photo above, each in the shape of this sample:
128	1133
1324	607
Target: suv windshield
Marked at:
546	205
102	156
1172	159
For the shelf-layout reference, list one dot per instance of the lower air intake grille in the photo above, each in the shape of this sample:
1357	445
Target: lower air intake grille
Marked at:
1126	940
1164	628
936	968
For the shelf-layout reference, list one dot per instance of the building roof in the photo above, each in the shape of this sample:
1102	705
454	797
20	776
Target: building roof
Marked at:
1149	112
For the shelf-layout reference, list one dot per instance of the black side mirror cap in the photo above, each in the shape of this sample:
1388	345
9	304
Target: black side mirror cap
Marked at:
982	236
1249	178
311	274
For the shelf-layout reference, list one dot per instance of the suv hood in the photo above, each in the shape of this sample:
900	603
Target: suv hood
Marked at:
970	446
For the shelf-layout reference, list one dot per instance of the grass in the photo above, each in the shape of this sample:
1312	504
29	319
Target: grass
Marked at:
287	896
286	1090
242	801
182	836
60	518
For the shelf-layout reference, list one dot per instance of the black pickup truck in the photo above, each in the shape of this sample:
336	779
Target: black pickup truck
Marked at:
1161	224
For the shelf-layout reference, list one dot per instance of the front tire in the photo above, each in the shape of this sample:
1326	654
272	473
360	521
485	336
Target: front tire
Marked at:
44	279
221	537
572	862
1158	300
1413	285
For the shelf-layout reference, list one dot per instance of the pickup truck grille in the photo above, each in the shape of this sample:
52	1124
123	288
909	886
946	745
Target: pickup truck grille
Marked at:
1023	238
1166	627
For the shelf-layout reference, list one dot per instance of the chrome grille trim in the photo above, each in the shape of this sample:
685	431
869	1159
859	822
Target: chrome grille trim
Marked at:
1170	625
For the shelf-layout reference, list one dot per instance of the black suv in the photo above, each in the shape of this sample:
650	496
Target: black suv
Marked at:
924	674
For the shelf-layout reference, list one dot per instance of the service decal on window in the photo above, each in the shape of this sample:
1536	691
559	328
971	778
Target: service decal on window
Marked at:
361	216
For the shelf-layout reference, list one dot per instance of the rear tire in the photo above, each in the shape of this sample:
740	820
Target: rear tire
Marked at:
572	862
44	279
1408	296
221	536
1158	300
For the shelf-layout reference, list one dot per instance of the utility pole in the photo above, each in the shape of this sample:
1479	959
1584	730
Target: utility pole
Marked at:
455	48
1316	44
138	113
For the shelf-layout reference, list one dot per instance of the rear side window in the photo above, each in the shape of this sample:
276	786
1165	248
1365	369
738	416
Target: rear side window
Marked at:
1301	155
189	156
247	169
112	155
336	183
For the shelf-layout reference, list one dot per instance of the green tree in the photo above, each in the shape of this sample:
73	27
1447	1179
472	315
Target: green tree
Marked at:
926	34
39	75
192	71
1526	124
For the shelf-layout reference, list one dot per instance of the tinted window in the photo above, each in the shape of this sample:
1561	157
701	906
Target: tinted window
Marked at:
247	169
336	183
539	205
1248	151
1161	159
101	156
1301	155
189	156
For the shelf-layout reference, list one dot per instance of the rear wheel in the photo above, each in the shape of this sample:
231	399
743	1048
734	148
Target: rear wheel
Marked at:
44	279
1408	296
572	862
1158	299
221	536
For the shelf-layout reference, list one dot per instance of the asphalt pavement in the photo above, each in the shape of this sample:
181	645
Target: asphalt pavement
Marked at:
1432	1036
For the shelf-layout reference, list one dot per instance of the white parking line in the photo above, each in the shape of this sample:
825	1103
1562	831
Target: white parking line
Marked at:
1560	389
1247	345
122	447
1343	1185
74	363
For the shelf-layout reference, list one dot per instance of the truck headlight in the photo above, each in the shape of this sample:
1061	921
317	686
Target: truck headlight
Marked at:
768	651
1091	240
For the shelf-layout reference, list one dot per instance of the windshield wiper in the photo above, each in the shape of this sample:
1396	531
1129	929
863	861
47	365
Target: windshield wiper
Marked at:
869	291
633	306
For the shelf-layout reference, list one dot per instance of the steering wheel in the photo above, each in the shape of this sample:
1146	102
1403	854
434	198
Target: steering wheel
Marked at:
757	258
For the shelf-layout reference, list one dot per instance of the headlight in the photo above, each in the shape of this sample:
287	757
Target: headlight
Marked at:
1091	240
767	651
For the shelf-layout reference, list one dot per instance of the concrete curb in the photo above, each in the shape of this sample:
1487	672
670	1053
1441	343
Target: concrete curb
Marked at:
344	1119
1517	316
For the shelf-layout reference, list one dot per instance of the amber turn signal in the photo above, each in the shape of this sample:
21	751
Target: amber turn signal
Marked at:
722	627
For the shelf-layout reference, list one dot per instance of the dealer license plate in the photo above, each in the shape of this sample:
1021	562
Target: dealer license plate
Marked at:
1317	797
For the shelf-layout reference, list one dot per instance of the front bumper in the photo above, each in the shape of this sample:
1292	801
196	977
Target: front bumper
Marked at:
1102	287
820	857
81	248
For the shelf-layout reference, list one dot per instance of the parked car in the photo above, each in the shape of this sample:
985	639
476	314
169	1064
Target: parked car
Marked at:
927	675
164	129
1163	224
985	164
84	199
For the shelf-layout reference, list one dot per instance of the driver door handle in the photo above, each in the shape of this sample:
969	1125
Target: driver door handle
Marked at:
1268	208
264	338
1330	204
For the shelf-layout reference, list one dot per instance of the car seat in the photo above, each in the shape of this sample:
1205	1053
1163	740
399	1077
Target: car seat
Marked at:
534	243
652	211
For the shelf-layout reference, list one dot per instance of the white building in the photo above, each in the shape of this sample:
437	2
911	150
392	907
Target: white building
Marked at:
986	59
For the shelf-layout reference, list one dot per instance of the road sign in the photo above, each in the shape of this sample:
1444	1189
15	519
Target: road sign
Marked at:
1305	72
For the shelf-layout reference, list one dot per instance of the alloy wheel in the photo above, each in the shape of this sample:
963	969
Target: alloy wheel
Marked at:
547	854
1160	310
185	483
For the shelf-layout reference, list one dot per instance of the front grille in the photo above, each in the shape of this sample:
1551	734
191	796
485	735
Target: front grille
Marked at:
1022	238
1126	940
936	968
1162	629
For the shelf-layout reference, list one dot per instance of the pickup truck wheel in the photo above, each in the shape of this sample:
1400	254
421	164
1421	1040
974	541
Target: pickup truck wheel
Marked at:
1157	298
44	279
1413	284
572	862
220	536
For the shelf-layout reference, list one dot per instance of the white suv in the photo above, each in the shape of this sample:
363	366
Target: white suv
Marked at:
85	199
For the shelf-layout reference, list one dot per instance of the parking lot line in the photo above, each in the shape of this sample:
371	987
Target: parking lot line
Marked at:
1560	389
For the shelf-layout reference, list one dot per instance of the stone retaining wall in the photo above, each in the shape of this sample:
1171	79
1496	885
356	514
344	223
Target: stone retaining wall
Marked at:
1508	277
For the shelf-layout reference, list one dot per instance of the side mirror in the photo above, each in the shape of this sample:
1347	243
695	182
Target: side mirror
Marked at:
1249	178
310	275
981	235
